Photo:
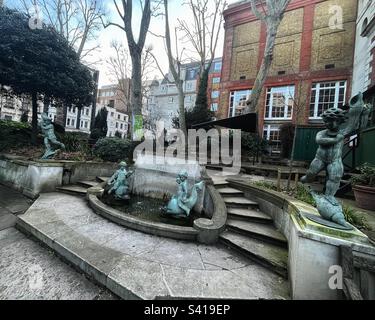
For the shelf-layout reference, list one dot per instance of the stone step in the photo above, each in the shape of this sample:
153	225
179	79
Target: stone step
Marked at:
268	255
230	192
87	184
102	179
240	202
73	189
259	231
249	215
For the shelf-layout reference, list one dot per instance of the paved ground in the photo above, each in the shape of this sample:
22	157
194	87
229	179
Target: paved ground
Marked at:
31	272
146	266
11	204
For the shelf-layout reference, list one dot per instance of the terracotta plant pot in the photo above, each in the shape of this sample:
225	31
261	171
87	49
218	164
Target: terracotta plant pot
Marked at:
365	197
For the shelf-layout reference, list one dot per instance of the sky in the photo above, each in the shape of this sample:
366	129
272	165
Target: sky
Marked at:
99	58
177	11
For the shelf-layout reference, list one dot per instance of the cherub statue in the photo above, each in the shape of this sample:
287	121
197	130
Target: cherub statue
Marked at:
119	182
329	155
182	203
48	131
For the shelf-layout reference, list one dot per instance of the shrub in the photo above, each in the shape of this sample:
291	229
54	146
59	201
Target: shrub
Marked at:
114	149
266	185
14	135
351	216
366	177
76	142
253	144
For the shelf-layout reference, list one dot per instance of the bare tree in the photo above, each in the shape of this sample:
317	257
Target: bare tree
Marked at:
204	31
175	69
272	15
135	48
119	66
78	21
119	69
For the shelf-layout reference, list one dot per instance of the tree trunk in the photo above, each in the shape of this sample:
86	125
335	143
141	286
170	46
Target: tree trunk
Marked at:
181	108
46	103
34	121
292	155
265	67
136	88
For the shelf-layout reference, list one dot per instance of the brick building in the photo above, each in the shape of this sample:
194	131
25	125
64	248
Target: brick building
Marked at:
213	88
313	63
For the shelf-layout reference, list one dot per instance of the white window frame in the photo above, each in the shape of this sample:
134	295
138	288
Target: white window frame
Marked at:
289	91
269	128
236	100
317	96
214	107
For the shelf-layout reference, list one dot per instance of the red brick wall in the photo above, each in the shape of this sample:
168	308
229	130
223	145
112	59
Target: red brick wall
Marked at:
242	14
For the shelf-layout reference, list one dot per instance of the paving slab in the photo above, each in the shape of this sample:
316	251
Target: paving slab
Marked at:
134	265
30	272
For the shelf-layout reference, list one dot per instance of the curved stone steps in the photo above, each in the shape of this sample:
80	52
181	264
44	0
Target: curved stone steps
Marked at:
230	192
87	184
240	202
102	179
73	190
267	233
268	255
249	215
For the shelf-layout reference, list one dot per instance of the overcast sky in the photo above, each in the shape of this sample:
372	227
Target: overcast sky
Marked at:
177	11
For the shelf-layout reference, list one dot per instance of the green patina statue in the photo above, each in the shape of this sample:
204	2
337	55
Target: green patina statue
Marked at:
119	184
48	131
339	125
183	202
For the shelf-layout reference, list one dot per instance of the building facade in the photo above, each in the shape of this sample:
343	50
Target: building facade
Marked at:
117	121
162	101
116	96
312	63
364	57
214	81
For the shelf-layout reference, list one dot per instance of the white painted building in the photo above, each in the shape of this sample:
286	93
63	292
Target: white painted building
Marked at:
117	121
12	108
364	60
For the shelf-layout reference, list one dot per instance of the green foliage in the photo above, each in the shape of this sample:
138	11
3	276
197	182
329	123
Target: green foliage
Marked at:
75	142
14	135
46	65
302	193
253	144
286	138
25	117
114	149
266	185
100	127
366	176
41	62
353	218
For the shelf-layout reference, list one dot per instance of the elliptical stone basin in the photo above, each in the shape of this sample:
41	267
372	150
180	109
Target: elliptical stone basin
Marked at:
152	182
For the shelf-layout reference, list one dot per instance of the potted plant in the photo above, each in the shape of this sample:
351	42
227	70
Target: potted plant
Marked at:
364	187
